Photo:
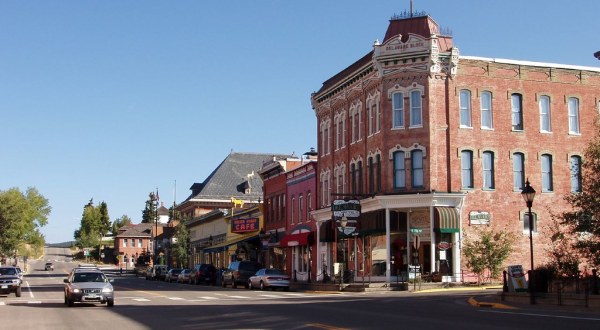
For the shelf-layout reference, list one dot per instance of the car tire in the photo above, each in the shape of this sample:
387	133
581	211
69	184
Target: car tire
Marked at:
287	288
250	286
262	285
18	292
70	302
233	283
110	303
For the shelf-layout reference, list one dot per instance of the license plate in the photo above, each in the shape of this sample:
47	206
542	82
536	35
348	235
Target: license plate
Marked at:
91	296
5	287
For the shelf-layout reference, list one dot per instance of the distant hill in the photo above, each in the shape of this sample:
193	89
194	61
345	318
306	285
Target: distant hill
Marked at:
62	245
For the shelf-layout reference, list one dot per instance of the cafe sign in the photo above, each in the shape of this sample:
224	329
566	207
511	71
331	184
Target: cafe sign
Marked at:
345	214
479	218
244	225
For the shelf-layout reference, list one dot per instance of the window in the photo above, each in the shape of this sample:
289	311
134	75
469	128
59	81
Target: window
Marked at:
308	206
466	164
293	210
378	173
124	242
488	170
282	216
359	121
139	243
573	115
328	134
399	170
353	177
545	114
547	173
518	171
576	174
517	112
465	108
398	110
371	114
371	175
415	109
360	177
486	110
353	118
300	207
416	161
339	178
377	116
526	222
338	134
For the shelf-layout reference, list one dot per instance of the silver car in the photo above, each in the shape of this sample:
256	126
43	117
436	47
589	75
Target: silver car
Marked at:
88	286
269	278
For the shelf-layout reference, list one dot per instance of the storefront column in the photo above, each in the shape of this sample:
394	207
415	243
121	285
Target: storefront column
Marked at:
433	243
388	253
456	257
319	272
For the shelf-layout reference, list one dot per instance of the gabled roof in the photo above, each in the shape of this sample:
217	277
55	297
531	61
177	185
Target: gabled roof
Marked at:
236	176
139	230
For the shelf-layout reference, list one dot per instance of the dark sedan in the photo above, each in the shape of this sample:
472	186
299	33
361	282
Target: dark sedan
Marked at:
173	274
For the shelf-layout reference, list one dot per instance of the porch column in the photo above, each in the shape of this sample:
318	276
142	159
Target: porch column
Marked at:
318	251
433	242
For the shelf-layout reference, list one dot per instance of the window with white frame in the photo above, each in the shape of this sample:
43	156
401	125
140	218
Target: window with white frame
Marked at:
576	174
488	170
139	243
466	164
124	242
547	185
359	169
377	116
398	110
353	126
416	109
517	111
399	170
544	104
293	209
416	161
338	133
573	104
518	171
465	108
353	177
371	169
308	205
378	172
359	123
486	110
371	114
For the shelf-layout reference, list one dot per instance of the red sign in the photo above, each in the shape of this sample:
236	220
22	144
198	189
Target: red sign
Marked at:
444	245
244	225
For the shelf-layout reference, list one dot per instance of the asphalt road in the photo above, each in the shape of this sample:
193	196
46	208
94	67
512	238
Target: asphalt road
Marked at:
142	304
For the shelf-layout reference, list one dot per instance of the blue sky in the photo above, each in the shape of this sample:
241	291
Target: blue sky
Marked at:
113	99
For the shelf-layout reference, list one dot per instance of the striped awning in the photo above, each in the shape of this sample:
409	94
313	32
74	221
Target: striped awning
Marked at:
447	220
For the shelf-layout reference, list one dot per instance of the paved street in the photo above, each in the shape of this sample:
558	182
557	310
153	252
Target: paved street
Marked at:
142	304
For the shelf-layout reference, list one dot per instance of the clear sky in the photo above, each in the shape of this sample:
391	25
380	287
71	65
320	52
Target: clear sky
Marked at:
111	100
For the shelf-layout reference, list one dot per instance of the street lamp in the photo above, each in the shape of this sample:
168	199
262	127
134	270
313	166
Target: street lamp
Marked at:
528	194
343	223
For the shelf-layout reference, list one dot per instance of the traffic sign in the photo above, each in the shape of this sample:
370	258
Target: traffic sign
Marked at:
416	230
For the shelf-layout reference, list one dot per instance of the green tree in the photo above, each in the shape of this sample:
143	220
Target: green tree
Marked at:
181	248
583	220
118	223
487	249
90	230
564	260
105	224
21	217
149	211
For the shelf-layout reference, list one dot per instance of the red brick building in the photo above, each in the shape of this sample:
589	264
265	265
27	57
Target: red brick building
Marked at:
435	144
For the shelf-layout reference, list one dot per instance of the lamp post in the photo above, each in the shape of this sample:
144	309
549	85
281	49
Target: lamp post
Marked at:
528	194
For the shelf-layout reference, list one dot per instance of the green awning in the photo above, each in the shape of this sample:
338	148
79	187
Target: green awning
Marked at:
447	220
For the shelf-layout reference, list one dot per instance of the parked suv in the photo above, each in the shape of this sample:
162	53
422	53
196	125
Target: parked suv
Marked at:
206	273
10	281
239	272
88	286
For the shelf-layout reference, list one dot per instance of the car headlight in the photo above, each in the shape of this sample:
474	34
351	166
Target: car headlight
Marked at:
75	290
107	290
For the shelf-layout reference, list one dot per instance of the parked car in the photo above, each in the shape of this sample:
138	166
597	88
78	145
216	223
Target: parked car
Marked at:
88	285
10	282
206	273
184	276
269	278
173	275
239	272
49	266
156	272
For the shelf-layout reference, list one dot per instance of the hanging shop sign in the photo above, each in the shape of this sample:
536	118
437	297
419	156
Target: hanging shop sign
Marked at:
479	218
345	215
443	245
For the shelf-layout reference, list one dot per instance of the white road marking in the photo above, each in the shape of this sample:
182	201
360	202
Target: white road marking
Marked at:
141	299
208	298
175	298
2	303
29	289
238	297
269	295
34	302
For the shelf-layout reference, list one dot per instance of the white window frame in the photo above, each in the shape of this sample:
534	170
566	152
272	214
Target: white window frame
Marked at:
573	105
416	108
465	108
545	114
487	119
398	110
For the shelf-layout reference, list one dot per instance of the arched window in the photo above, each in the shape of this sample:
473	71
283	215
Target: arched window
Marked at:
399	170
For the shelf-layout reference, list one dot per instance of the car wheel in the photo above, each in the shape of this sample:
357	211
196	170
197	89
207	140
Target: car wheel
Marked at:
110	303
233	283
250	286
262	285
287	288
70	302
18	292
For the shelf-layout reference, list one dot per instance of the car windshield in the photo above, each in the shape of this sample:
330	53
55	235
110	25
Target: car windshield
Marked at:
8	271
88	277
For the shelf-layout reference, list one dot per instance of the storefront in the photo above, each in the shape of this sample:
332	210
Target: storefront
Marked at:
298	245
399	237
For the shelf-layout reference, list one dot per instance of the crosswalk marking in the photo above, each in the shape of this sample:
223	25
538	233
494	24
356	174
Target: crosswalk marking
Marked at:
141	299
270	295
209	298
2	303
238	297
175	298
